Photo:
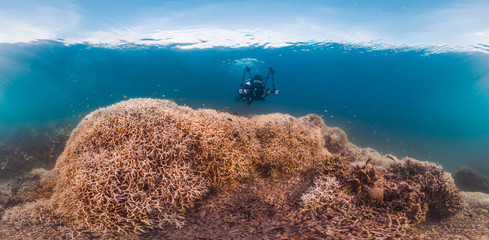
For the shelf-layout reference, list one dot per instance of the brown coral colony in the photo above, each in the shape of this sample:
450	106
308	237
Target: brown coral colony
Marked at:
144	163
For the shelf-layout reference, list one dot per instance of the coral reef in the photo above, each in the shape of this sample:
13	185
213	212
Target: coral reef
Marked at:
335	139
360	156
410	187
142	163
289	145
421	189
467	179
471	222
145	163
284	208
326	189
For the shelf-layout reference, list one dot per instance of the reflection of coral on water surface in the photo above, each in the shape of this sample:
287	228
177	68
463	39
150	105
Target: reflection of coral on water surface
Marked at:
151	168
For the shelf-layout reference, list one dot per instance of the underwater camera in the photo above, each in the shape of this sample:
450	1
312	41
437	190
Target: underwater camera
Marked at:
255	88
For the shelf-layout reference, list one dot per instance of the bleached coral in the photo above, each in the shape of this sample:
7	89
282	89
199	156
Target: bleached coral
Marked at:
325	190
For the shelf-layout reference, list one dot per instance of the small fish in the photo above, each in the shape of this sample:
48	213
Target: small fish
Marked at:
153	93
203	105
88	106
66	129
50	156
173	100
79	116
121	130
182	99
419	156
125	96
163	95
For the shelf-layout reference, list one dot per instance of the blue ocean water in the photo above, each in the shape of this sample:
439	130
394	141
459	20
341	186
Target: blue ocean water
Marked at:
406	102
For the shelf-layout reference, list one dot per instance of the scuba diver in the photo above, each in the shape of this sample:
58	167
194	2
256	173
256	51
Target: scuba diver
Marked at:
255	88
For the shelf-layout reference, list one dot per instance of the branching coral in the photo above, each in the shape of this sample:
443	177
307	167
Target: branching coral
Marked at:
342	197
129	168
422	189
326	190
410	187
357	155
142	163
223	147
289	145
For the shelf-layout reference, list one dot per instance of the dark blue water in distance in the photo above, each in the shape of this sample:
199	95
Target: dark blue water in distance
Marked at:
406	102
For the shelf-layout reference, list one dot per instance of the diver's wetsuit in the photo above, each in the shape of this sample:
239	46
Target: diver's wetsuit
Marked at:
253	90
259	91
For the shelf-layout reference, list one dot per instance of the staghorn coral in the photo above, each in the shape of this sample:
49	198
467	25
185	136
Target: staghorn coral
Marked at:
421	189
289	145
360	156
353	177
128	168
325	190
409	187
417	189
342	198
145	163
142	163
224	146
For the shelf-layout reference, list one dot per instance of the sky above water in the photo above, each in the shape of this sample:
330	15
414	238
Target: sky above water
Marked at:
445	25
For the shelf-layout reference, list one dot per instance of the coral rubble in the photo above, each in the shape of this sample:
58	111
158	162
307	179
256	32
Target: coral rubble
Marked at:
37	184
144	164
